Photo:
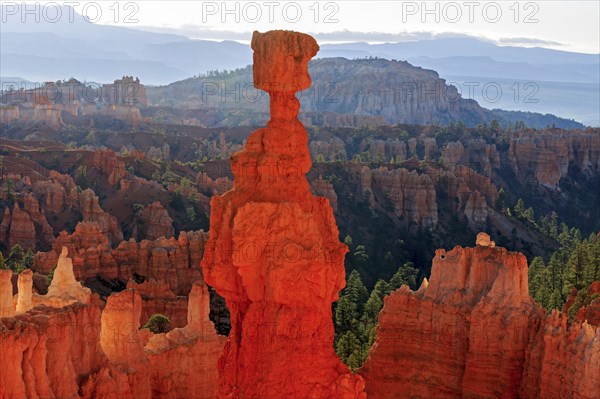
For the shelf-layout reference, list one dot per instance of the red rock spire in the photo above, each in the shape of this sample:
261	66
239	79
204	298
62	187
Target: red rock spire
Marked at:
274	252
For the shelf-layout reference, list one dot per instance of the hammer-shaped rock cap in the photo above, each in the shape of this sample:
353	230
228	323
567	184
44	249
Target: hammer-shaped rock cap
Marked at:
281	60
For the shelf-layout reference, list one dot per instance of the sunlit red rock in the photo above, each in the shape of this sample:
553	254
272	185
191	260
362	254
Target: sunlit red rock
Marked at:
24	294
80	351
46	351
591	312
474	332
7	308
411	194
174	261
184	360
324	188
64	288
545	159
157	297
274	252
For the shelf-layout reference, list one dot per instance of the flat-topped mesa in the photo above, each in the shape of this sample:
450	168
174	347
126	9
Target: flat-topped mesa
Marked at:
274	252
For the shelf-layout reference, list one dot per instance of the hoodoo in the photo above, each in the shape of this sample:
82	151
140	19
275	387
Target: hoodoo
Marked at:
274	252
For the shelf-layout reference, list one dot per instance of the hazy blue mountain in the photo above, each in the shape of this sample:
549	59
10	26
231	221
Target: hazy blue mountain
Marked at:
46	51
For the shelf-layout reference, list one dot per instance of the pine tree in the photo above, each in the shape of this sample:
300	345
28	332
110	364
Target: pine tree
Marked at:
536	268
27	260
15	258
3	265
157	323
346	314
356	290
519	208
556	300
347	344
406	274
553	225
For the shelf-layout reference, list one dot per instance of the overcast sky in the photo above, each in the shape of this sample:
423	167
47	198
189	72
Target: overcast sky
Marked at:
566	25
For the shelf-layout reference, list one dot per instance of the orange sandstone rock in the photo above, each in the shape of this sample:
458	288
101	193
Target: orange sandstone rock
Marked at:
157	297
472	331
78	351
156	221
7	308
184	360
111	166
64	287
24	294
22	229
92	212
274	252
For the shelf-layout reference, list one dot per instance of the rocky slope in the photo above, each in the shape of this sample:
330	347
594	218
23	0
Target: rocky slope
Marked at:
473	331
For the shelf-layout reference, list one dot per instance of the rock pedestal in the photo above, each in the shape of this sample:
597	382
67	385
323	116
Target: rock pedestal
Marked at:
274	252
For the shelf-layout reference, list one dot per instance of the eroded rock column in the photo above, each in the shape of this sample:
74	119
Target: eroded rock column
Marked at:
6	294
24	287
274	252
64	287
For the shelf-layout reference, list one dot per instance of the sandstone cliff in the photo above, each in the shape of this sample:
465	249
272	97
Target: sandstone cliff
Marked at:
412	195
473	331
172	260
545	159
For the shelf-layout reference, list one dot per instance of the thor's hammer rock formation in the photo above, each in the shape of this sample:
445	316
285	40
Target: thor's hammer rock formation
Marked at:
274	252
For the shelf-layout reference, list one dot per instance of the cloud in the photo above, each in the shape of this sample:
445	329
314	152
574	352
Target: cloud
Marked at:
528	41
193	31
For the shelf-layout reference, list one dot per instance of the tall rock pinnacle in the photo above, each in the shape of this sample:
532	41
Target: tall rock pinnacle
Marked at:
274	252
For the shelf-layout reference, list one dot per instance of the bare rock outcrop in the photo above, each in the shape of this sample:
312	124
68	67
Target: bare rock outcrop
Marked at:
157	297
412	195
473	331
154	221
107	162
184	360
7	307
64	288
324	188
545	159
89	205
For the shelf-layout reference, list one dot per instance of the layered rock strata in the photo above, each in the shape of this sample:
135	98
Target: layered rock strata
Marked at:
274	252
473	331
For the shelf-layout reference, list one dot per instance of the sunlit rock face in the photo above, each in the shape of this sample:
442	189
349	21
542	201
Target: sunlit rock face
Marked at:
472	331
274	252
64	287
